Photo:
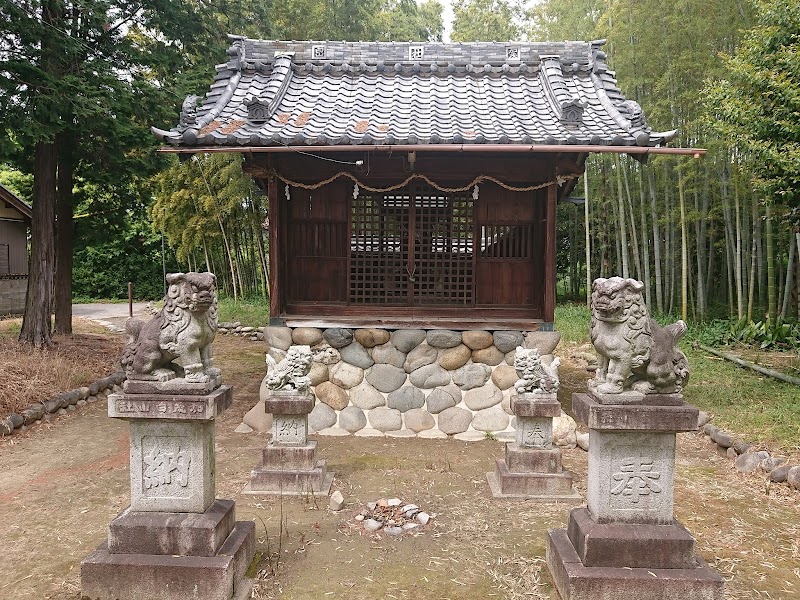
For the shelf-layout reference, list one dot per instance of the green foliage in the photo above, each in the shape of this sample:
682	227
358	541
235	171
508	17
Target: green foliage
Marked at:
572	321
757	101
485	21
249	313
721	332
104	267
18	182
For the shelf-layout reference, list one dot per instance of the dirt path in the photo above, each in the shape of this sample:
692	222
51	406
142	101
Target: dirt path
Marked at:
62	482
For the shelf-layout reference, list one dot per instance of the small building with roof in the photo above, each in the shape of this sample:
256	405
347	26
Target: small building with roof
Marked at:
15	219
412	188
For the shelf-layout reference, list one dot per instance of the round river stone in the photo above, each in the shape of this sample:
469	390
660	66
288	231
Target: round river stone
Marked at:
454	420
429	377
371	337
352	419
506	341
454	358
322	417
367	397
332	395
477	339
309	336
338	337
406	398
443	338
440	399
418	420
406	340
386	378
385	419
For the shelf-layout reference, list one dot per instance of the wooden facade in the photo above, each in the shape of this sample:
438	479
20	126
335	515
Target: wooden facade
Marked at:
370	152
421	255
15	218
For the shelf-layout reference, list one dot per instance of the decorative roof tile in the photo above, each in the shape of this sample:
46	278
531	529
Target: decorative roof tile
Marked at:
356	93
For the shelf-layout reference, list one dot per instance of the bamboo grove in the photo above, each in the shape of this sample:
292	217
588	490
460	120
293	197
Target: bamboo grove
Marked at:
714	237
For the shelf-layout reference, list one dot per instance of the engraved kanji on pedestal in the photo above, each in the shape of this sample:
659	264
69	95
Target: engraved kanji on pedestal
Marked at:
288	464
532	468
176	540
626	541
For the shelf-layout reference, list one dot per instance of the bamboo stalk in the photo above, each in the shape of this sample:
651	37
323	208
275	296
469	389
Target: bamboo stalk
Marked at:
749	365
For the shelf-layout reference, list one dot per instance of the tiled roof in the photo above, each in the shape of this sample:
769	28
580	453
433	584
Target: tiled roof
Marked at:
363	93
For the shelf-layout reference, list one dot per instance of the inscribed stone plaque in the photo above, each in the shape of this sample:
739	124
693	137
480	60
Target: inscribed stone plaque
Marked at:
534	432
172	465
631	477
289	430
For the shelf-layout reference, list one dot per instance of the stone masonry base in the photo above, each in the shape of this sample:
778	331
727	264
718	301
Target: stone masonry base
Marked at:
172	556
600	561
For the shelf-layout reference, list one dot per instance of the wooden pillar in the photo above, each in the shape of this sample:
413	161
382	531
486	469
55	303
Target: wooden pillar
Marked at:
550	255
275	272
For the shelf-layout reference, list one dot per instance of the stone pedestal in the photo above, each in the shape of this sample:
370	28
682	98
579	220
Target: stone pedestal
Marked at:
532	467
175	541
626	542
288	464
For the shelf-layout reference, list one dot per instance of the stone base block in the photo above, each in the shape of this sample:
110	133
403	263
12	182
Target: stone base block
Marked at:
279	457
183	534
288	402
536	405
107	576
538	487
633	417
631	546
533	460
575	581
290	482
177	385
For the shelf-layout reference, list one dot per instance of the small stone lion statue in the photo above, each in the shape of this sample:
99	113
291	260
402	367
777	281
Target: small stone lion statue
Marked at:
177	341
634	352
535	376
292	372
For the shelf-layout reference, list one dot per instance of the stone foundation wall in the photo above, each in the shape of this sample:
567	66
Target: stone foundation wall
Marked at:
12	295
411	382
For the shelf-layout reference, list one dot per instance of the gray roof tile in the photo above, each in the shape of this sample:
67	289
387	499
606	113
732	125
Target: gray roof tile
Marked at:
366	93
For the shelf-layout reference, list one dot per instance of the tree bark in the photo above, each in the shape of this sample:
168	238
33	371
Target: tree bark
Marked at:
36	324
684	248
65	206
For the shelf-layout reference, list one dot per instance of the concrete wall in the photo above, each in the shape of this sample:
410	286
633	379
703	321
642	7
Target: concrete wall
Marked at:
12	295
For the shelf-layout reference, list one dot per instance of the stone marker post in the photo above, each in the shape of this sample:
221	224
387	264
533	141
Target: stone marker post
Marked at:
532	469
288	465
626	542
176	541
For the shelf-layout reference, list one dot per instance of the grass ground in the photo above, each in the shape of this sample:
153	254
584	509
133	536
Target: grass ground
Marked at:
762	410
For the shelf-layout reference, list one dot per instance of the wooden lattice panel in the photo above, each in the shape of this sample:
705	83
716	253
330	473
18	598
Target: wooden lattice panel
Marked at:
379	249
411	248
443	230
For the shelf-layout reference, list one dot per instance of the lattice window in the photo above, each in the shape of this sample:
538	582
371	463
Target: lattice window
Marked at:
507	241
411	248
379	249
443	249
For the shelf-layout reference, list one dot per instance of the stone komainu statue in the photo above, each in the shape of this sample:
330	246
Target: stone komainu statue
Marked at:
177	341
634	352
292	372
534	375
